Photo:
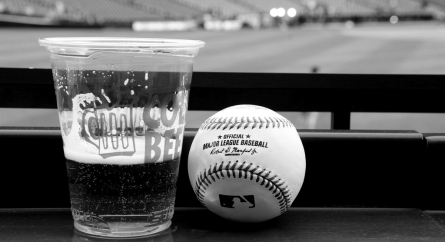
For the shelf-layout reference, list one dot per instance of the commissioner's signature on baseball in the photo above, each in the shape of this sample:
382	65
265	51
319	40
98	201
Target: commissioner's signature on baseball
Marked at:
232	151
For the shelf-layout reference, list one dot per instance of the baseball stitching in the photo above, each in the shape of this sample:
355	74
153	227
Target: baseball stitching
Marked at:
238	122
246	171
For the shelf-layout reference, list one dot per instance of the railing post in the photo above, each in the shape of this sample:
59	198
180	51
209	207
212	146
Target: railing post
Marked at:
341	119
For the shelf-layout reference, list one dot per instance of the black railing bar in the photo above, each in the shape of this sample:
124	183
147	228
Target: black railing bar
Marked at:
266	80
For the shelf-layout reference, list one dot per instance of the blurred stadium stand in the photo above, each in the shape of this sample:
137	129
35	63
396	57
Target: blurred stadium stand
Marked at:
219	8
125	12
345	8
411	8
111	12
169	9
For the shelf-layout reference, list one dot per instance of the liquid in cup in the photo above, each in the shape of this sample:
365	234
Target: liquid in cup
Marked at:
122	106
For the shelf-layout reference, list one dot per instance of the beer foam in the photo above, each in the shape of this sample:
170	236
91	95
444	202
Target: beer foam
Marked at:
100	135
78	151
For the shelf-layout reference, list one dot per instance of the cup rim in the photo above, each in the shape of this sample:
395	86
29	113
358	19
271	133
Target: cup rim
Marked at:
120	42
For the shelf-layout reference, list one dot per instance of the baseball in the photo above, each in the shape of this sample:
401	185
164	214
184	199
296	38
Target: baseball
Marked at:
247	163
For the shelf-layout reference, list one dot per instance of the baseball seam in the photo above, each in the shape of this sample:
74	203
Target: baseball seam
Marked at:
244	122
246	171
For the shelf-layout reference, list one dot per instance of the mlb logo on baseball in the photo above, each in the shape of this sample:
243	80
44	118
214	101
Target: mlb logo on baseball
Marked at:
237	201
247	163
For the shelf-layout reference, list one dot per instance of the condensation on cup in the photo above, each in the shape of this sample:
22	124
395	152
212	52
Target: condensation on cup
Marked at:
122	104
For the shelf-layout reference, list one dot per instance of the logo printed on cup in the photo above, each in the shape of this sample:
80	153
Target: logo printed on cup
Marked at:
113	132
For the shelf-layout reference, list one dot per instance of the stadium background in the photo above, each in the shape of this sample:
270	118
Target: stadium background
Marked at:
289	36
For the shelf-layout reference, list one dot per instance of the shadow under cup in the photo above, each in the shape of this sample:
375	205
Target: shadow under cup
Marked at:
122	104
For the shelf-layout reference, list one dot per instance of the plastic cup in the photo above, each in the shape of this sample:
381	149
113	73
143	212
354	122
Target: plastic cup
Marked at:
122	104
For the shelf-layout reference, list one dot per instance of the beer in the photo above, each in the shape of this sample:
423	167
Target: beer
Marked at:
134	195
122	140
